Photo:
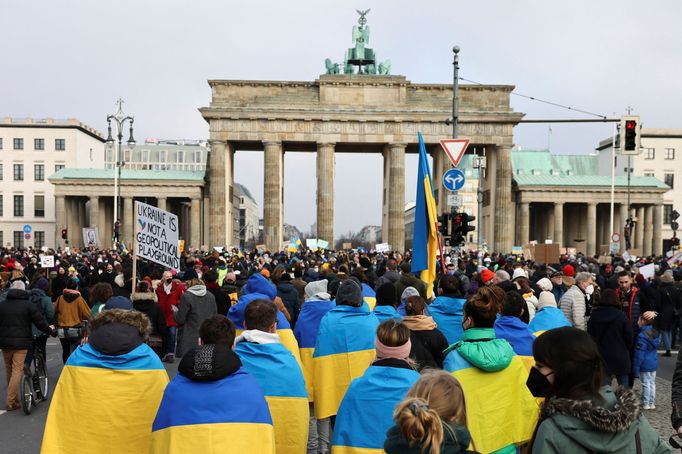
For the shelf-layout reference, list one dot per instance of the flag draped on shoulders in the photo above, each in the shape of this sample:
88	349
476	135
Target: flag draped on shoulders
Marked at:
425	240
366	412
117	395
447	312
281	378
369	296
343	351
384	313
548	318
305	331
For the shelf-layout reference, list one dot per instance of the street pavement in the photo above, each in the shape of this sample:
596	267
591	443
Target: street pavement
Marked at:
22	434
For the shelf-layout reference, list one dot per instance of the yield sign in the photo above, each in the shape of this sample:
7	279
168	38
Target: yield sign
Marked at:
455	149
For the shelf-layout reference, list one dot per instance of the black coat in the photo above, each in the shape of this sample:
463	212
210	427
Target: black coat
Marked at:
669	297
427	348
17	313
289	295
222	299
612	331
144	302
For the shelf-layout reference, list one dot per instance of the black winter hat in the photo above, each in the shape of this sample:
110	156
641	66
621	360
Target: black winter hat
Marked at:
349	294
386	295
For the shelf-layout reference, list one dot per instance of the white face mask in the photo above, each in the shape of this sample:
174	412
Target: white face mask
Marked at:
589	289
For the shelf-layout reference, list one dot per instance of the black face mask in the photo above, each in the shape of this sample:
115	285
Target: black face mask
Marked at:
537	383
168	281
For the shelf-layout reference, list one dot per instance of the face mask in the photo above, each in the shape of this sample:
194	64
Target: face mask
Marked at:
169	280
537	383
589	289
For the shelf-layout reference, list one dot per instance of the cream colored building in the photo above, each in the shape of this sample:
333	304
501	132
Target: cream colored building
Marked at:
661	158
31	150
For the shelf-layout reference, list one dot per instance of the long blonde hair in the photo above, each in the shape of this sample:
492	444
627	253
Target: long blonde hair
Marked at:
435	398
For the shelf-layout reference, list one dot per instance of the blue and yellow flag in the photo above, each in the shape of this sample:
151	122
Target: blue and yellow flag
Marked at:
305	331
343	351
546	319
425	240
366	412
369	296
105	403
384	313
227	416
282	381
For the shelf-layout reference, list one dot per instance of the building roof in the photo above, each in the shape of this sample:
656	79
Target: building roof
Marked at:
58	123
127	174
588	180
244	191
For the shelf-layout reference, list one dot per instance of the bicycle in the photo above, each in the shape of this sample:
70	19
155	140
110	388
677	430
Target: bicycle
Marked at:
34	386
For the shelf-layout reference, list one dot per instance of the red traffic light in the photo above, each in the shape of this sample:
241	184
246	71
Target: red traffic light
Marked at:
630	124
458	219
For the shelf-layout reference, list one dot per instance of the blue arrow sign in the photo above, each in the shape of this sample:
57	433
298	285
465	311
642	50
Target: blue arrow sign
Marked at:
27	228
453	180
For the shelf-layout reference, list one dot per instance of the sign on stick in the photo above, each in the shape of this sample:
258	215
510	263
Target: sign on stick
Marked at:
455	149
453	180
156	235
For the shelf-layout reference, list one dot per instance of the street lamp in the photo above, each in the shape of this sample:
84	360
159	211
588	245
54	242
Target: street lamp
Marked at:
119	121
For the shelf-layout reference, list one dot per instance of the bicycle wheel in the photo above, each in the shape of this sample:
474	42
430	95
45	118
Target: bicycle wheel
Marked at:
26	394
41	373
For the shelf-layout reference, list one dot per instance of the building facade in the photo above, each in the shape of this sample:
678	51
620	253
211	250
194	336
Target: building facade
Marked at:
31	150
249	229
154	154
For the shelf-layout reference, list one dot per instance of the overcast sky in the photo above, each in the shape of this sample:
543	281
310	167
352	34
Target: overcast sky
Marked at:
75	58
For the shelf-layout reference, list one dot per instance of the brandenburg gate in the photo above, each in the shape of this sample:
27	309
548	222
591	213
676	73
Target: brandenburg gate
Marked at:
358	113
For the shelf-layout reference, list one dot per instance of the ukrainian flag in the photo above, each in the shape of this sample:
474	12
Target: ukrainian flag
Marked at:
546	319
105	403
425	240
501	412
384	313
369	296
286	335
282	381
366	412
343	351
227	416
305	331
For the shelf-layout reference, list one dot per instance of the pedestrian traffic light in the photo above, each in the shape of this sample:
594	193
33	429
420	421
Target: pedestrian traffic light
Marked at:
65	234
443	226
675	241
458	229
630	140
468	228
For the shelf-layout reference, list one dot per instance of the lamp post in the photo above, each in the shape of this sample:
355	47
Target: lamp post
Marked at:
119	121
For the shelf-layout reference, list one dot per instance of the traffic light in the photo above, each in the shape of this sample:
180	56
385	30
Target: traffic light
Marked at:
458	229
443	226
65	234
630	140
675	241
468	228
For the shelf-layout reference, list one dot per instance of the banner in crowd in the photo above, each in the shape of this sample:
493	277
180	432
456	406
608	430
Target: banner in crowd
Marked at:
91	237
156	235
47	261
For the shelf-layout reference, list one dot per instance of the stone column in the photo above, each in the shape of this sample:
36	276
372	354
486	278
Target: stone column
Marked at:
220	188
503	201
162	203
60	219
648	230
272	195
94	213
591	228
524	230
384	196
559	223
657	248
195	223
623	210
127	216
326	171
396	196
639	228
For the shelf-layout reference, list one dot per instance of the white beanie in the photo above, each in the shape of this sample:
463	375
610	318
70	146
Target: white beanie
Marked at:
18	285
519	272
546	300
545	284
408	292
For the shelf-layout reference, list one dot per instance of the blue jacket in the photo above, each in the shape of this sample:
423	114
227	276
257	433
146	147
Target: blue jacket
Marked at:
646	355
513	330
257	287
447	312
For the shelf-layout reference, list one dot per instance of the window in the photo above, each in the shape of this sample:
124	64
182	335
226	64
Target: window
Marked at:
0	149
59	144
38	144
39	206
39	239
649	173
2	238
669	179
58	167
181	156
2	209
39	172
667	213
18	205
649	153
18	172
669	154
1	177
18	239
18	144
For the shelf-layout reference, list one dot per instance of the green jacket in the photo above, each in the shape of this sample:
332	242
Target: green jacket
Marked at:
456	439
578	426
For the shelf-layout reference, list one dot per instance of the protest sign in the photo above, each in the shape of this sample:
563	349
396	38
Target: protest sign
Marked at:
322	244
156	236
383	247
47	261
648	271
91	236
311	243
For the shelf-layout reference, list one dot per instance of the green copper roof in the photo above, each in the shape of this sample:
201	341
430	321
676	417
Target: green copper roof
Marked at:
587	180
127	174
542	162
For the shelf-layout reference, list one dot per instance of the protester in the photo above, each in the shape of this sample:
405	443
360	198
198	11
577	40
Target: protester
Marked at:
548	315
391	275
428	343
481	362
385	308
99	294
222	299
289	296
210	376
196	305
612	332
630	301
448	307
114	381
145	301
645	361
558	287
407	279
431	419
279	375
70	311
579	414
511	327
574	302
365	413
670	303
168	293
42	301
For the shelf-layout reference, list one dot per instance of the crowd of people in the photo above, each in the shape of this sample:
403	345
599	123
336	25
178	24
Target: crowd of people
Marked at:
344	352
